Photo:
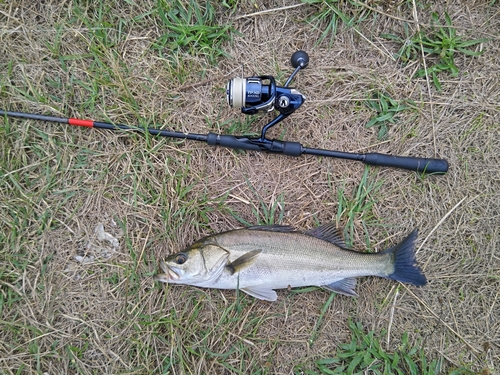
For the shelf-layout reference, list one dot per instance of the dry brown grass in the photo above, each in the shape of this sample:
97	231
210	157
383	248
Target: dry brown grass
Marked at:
57	183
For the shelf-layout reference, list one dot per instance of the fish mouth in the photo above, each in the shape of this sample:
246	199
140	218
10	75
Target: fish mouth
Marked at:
168	275
172	276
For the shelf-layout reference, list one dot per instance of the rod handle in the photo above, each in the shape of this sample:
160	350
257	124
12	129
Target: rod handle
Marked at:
424	165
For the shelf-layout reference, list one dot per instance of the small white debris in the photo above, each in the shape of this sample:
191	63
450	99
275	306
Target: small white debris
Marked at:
84	259
104	236
71	267
99	249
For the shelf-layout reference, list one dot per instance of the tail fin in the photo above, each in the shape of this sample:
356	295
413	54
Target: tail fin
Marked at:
406	269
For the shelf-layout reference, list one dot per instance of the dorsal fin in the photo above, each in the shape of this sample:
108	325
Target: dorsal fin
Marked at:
328	232
273	228
243	261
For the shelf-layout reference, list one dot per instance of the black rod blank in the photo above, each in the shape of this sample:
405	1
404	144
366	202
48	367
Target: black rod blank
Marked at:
423	165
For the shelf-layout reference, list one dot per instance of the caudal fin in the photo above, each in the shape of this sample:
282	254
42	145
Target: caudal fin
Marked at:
406	269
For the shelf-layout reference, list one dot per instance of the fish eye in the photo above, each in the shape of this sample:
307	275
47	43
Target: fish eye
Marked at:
181	258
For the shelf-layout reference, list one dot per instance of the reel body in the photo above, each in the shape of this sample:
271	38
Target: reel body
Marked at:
253	95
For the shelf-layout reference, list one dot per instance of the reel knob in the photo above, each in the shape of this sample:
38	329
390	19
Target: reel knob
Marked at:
299	58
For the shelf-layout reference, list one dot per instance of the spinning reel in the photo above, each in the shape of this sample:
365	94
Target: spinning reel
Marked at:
261	94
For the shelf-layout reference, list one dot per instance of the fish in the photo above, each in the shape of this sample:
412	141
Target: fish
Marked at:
260	259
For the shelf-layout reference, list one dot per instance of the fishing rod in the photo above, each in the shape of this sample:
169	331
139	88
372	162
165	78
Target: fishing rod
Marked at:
254	95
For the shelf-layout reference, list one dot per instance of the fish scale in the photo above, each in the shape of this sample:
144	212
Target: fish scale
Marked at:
297	260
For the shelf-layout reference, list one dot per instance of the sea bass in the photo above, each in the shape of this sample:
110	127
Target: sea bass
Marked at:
259	259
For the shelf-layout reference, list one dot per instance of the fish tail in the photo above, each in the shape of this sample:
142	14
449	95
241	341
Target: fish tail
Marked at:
406	269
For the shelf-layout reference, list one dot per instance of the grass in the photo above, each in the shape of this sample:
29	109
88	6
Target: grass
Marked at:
356	209
191	28
218	342
317	327
165	64
263	213
245	126
365	354
330	13
440	43
387	110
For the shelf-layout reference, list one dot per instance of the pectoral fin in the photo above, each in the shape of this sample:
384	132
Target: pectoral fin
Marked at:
261	292
243	261
344	286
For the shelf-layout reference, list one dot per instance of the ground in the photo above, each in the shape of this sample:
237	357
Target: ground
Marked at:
77	297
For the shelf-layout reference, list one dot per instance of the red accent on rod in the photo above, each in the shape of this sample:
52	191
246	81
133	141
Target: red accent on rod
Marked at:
78	122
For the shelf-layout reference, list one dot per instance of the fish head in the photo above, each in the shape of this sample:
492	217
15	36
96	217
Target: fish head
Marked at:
198	265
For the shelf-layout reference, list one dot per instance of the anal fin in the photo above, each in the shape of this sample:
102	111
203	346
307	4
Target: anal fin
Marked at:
343	286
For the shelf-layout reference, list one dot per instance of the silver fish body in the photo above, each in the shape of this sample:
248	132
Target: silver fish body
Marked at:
259	259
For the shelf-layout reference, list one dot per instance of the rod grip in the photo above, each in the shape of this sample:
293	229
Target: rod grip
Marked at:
424	165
